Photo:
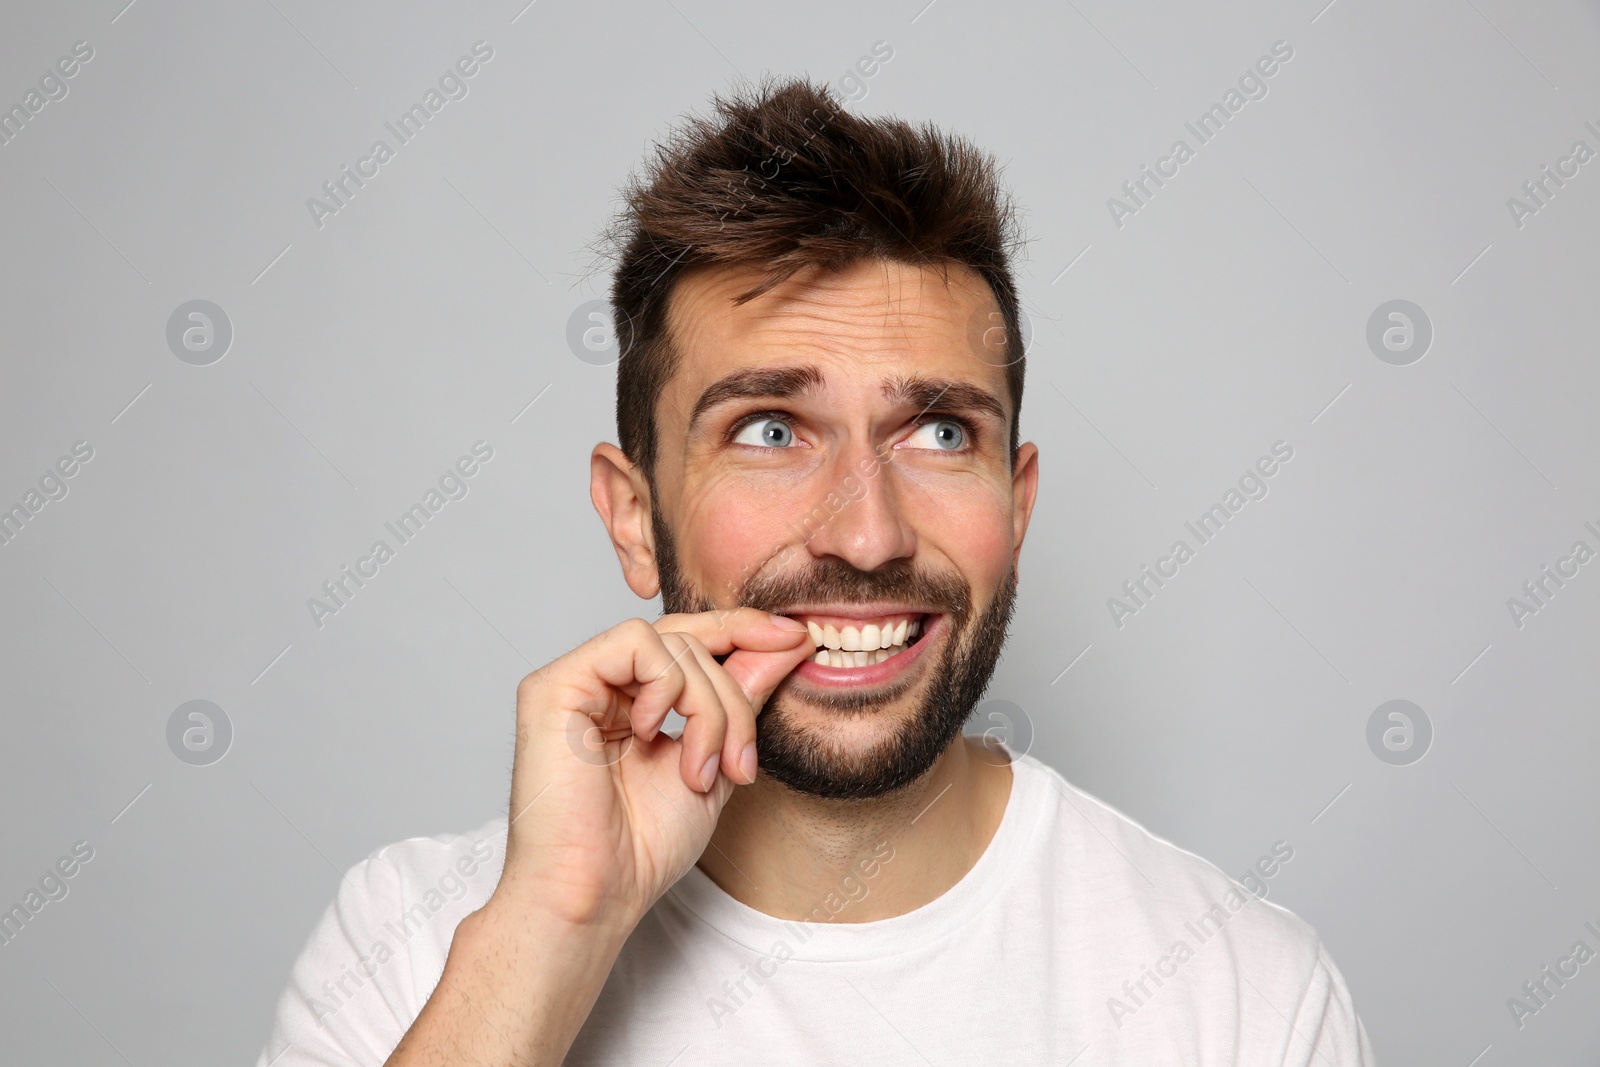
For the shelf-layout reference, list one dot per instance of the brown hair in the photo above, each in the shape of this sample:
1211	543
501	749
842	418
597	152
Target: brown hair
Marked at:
783	177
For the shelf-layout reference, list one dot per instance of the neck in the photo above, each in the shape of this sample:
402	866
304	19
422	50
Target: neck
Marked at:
793	856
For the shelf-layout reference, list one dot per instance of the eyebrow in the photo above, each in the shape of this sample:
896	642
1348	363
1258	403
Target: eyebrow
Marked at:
780	383
944	393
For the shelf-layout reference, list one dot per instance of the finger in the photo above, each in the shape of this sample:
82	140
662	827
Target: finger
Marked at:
758	673
739	744
706	721
632	657
724	631
765	648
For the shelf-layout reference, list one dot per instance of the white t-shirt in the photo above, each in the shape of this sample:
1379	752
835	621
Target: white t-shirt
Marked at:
1078	937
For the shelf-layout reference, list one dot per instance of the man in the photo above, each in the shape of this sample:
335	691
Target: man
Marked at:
819	471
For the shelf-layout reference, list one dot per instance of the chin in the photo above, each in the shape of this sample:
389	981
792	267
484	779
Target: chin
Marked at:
855	742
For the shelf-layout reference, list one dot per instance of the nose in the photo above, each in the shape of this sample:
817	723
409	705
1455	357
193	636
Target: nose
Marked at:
857	516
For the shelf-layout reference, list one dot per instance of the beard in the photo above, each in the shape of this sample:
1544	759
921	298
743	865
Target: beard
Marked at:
814	760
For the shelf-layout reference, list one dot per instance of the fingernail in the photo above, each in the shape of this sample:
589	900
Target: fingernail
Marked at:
708	773
747	763
783	622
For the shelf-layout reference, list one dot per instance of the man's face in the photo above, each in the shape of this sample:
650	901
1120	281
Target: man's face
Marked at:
837	450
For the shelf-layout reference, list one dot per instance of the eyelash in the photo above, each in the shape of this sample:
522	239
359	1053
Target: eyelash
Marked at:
970	430
754	417
973	434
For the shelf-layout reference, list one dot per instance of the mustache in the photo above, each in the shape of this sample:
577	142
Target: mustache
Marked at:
836	581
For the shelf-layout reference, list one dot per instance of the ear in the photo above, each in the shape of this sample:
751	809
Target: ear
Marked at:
622	497
1024	490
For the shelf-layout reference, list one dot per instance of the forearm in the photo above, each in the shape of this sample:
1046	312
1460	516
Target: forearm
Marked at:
516	990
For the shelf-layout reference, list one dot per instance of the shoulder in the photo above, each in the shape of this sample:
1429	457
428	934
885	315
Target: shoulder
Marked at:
1162	894
457	866
421	886
1166	935
379	948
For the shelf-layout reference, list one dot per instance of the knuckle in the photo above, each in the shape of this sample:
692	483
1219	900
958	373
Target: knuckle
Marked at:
530	684
636	629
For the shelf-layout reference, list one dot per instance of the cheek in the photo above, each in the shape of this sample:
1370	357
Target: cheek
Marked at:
966	519
731	530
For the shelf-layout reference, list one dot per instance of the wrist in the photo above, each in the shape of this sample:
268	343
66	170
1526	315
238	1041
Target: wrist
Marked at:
527	921
571	908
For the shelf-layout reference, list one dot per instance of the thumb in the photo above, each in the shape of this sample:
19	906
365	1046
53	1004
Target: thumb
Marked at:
758	673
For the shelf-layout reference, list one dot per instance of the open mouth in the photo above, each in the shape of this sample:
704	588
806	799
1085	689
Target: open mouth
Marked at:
863	649
862	644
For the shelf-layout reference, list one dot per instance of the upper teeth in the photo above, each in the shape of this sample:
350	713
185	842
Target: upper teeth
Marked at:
868	638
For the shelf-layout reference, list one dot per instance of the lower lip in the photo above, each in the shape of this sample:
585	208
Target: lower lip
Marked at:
874	674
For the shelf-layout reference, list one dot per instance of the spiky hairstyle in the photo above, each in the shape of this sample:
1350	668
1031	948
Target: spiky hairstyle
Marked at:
783	177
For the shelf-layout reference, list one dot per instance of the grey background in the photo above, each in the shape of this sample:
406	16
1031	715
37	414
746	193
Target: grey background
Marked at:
368	354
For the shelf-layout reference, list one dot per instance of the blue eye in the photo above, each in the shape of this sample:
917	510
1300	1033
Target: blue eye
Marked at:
941	434
766	433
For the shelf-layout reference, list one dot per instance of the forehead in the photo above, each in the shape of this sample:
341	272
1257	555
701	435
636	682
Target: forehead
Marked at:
871	319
